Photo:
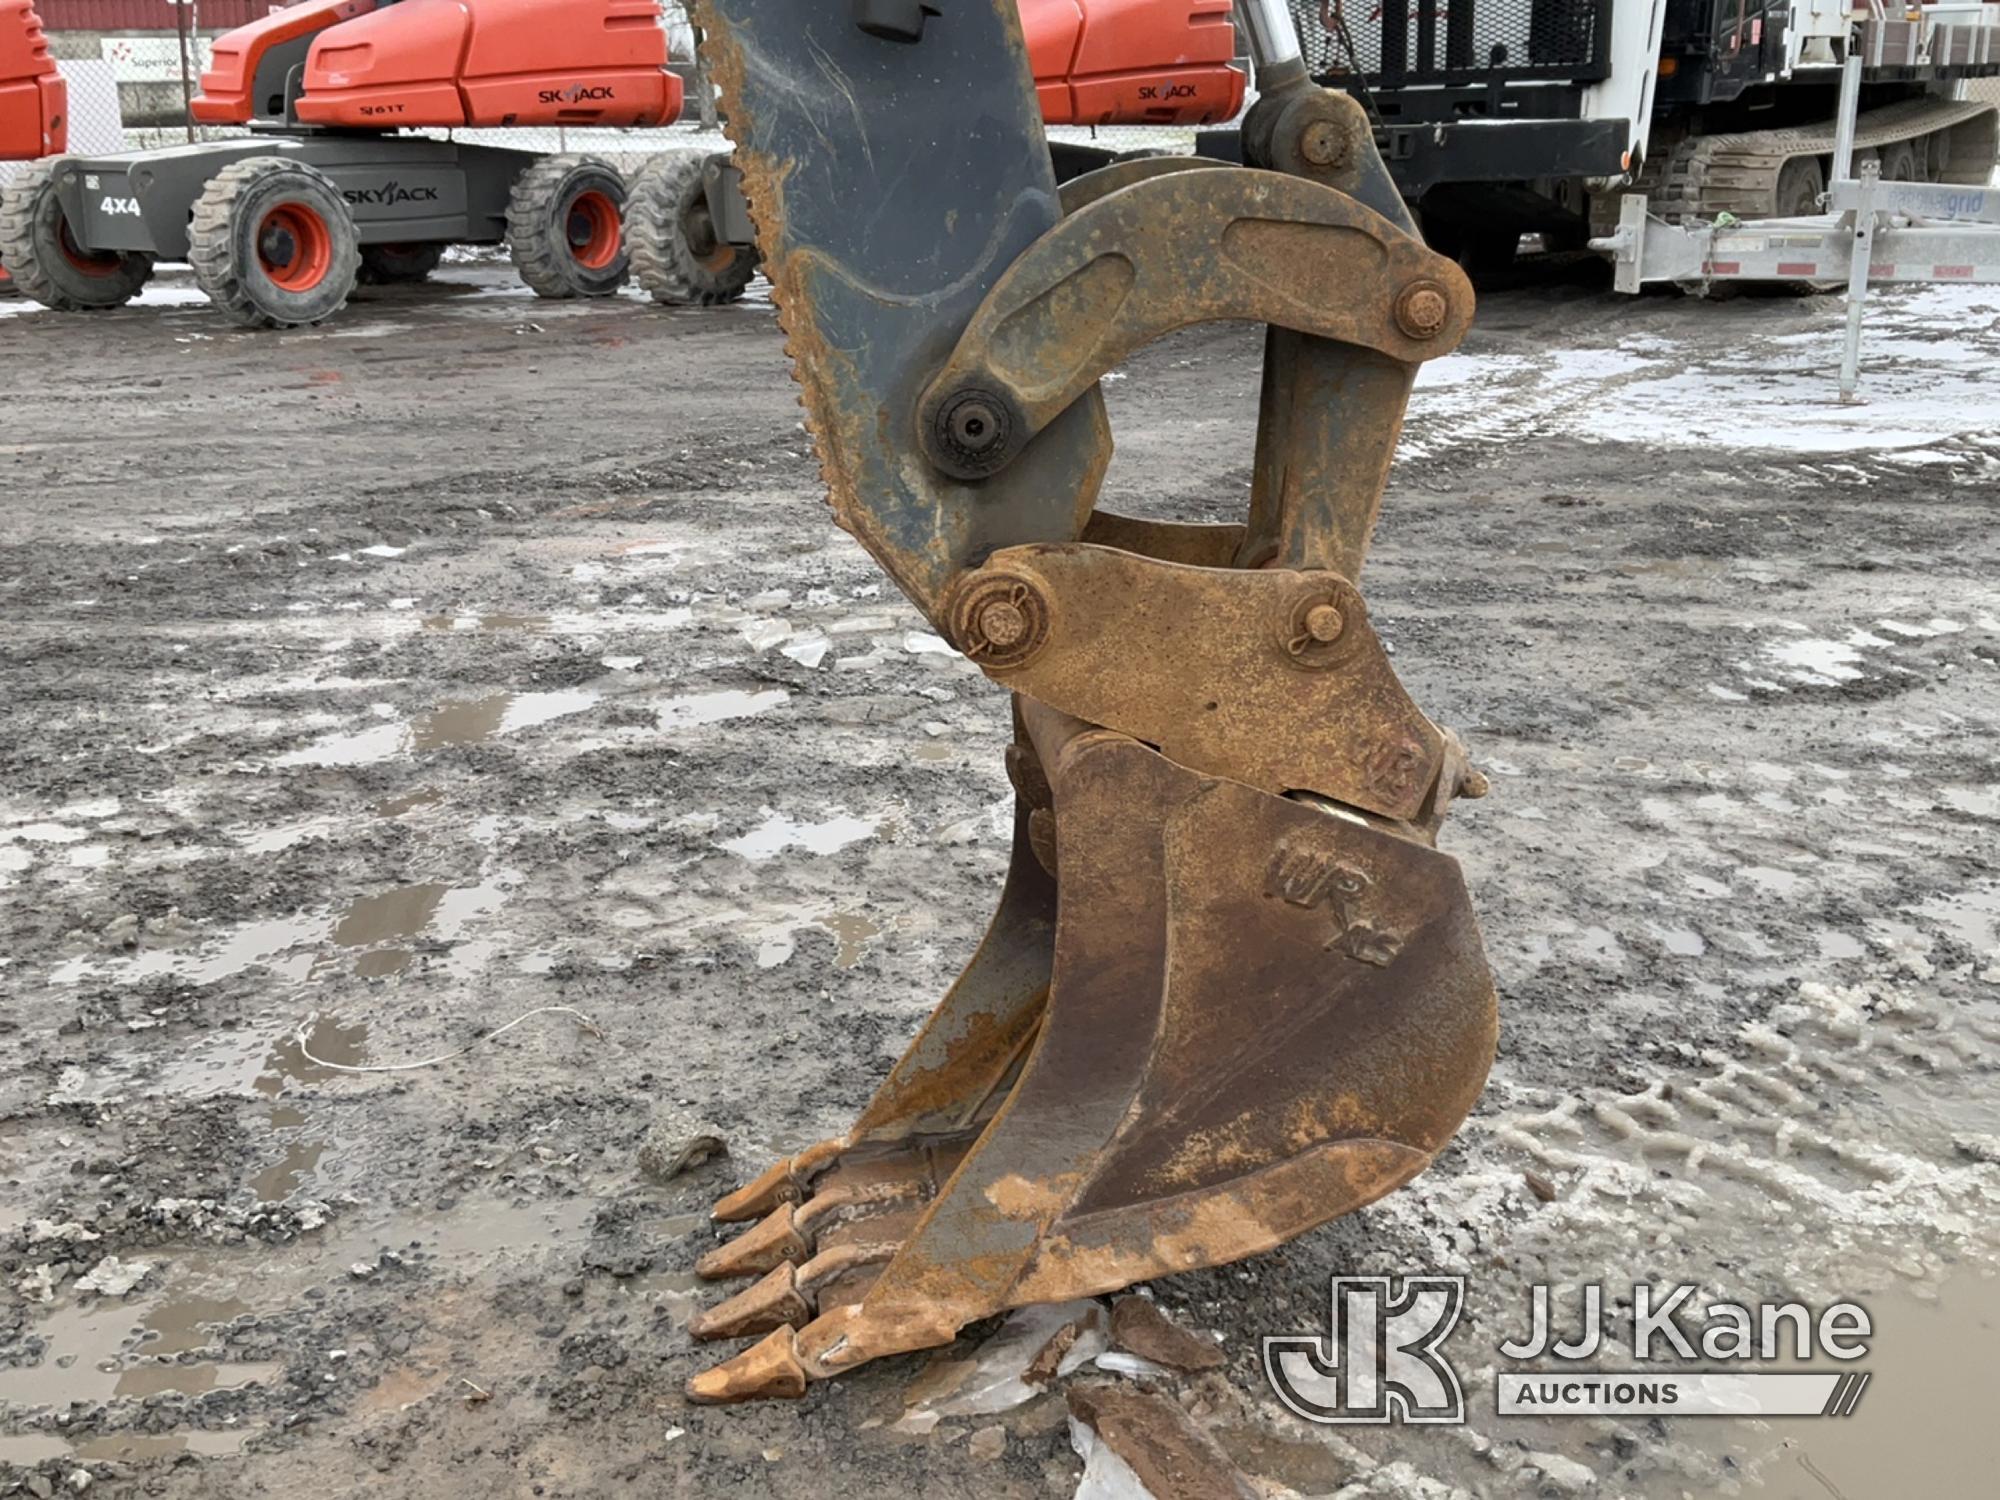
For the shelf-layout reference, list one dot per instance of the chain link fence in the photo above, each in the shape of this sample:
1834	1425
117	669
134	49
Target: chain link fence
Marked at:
96	122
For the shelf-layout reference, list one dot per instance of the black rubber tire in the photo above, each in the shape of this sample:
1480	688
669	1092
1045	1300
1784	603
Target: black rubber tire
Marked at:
1477	249
398	265
553	219
1901	163
676	257
237	234
45	263
1800	183
1072	160
1796	196
1936	155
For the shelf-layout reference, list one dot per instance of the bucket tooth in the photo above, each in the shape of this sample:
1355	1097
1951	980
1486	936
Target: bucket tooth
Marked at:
786	1294
839	1260
758	1197
774	1302
767	1370
845	1202
1261	1014
784	1181
770	1242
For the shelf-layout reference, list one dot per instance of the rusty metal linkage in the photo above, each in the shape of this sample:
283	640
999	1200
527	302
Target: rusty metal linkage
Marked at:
1232	989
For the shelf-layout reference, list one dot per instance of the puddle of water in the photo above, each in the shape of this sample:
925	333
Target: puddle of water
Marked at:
129	1447
476	1229
289	946
181	1324
469	722
482	719
1598	945
330	1040
124	1447
714	708
1777	882
1682	942
278	1182
395	807
277	840
851	931
396	916
363	747
400	913
118	1349
381	963
777	833
175	1379
1816	661
1978	801
1973	917
1923	1426
281	944
89	1359
28	1448
486	622
1668	567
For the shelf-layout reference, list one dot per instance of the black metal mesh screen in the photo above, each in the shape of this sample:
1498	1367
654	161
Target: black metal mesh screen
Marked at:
1455	41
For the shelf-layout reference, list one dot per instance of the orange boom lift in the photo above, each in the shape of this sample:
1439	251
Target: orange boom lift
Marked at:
330	187
34	101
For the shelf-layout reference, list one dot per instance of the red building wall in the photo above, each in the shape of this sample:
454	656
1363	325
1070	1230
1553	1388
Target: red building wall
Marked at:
146	15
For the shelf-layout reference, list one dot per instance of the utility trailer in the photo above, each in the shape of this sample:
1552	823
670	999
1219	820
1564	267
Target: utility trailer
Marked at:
1873	232
1502	118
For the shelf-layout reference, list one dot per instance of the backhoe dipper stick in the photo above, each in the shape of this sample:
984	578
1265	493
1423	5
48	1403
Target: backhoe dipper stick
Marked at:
1232	990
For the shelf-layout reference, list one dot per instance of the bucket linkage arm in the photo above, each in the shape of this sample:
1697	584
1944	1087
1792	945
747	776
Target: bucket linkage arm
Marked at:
1232	989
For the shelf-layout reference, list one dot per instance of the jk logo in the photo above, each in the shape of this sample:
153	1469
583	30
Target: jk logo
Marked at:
1381	1362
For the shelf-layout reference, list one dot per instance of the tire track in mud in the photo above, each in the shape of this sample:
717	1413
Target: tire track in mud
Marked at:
1684	1179
1622	376
1775	1128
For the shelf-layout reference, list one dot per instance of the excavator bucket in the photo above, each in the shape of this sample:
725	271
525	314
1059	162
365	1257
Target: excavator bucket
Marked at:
1232	990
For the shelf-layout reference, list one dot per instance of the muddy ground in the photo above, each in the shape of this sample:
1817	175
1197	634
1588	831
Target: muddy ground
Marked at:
471	655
